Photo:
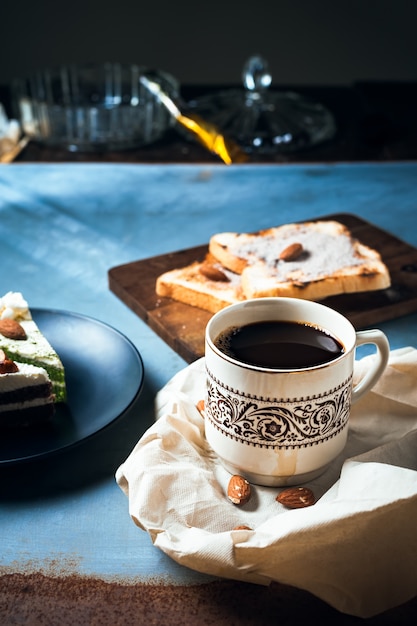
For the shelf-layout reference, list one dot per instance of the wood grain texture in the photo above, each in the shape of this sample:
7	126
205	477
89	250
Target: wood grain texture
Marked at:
182	326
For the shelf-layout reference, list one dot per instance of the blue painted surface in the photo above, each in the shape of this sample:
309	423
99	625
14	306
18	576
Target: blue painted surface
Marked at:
61	228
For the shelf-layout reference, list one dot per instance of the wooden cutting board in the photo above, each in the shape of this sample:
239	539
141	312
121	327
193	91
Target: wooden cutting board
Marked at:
183	326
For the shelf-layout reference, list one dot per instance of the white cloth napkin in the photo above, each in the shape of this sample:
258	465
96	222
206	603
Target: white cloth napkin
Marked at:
356	548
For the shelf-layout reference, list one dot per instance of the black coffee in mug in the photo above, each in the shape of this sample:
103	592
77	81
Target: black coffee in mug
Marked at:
279	344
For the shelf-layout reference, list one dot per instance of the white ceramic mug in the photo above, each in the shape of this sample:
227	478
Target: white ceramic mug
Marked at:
282	427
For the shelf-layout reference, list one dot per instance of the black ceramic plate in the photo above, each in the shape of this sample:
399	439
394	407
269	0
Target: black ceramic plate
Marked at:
104	373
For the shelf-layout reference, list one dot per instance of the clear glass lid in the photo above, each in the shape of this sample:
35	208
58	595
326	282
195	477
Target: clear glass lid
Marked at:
264	120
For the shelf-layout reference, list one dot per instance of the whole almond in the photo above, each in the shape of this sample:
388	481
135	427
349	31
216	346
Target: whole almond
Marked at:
7	366
213	273
238	490
242	527
12	330
200	406
291	252
296	497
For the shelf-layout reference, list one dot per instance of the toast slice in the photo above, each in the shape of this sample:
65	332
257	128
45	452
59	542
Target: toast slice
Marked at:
311	260
206	285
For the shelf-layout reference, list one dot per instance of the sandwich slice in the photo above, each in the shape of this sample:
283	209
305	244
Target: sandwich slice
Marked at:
205	285
311	260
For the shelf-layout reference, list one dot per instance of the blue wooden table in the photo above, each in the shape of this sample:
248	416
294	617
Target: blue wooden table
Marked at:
62	227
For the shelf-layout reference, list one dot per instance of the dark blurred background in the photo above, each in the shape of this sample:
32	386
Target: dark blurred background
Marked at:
320	42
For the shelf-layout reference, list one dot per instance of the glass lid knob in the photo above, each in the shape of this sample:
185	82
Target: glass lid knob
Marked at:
255	75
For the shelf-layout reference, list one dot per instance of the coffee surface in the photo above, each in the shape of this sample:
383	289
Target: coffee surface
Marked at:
279	344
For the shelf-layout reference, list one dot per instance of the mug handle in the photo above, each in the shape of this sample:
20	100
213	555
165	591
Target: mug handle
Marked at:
379	362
